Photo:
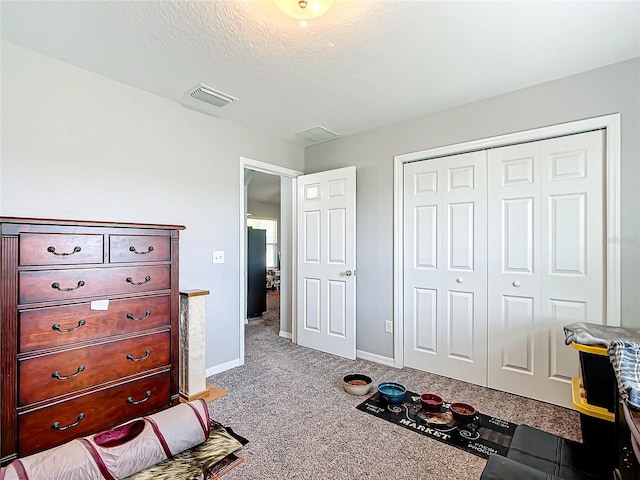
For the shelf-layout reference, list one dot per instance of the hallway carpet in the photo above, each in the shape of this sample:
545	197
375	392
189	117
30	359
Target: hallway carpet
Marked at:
289	401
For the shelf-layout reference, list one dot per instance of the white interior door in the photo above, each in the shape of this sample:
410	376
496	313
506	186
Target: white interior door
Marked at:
326	303
546	260
445	269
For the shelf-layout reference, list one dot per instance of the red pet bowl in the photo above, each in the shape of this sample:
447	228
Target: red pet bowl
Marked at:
431	402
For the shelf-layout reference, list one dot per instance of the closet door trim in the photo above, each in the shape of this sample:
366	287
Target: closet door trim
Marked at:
611	125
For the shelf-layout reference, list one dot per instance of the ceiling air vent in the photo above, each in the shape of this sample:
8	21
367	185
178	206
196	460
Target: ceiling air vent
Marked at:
211	96
317	134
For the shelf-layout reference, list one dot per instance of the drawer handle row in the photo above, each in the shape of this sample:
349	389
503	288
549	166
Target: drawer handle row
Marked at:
56	374
56	285
81	368
138	402
81	323
139	359
146	279
81	283
56	425
137	319
133	249
56	326
64	254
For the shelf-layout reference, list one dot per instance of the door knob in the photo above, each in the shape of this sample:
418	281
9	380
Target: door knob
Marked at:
516	284
460	280
348	273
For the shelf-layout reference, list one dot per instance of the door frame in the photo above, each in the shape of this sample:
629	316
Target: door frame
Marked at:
611	125
258	166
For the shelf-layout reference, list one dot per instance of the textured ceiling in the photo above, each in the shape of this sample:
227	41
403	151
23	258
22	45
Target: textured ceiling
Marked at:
362	65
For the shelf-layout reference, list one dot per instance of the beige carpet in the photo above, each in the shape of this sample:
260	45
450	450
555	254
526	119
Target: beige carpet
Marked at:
271	317
289	402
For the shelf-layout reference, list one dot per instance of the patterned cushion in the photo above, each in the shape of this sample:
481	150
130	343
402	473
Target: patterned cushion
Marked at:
193	463
625	358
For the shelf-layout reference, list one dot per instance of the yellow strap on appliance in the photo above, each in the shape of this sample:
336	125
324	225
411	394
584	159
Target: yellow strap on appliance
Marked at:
581	405
594	349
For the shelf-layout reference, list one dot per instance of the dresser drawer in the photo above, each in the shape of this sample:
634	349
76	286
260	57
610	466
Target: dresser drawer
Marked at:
57	326
60	249
139	248
81	416
55	285
47	376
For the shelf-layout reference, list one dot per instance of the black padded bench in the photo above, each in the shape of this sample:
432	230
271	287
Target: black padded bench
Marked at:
503	468
538	455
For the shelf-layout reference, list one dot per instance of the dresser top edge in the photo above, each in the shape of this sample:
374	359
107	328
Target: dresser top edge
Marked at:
87	223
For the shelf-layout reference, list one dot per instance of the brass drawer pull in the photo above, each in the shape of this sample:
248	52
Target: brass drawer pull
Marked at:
139	359
56	425
64	254
56	374
138	402
131	317
133	249
56	326
56	285
146	279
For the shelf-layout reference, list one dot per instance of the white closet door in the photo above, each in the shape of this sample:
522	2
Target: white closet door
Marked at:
516	348
546	263
445	266
572	249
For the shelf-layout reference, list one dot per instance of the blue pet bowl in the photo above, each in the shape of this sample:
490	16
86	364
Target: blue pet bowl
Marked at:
392	392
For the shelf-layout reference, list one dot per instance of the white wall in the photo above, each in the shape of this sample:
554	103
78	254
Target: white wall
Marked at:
612	89
76	145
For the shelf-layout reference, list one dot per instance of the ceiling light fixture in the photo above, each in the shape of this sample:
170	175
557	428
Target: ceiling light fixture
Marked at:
304	9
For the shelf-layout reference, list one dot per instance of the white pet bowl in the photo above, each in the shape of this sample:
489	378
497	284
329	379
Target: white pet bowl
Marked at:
353	384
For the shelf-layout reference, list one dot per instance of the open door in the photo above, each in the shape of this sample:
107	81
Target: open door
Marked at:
326	290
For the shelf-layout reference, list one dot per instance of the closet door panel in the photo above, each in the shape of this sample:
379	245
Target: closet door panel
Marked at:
562	359
461	236
463	333
425	322
517	235
518	320
426	237
445	266
573	286
546	250
516	348
422	263
461	325
567	234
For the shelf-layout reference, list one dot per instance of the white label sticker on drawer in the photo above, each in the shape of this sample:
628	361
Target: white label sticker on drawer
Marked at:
100	305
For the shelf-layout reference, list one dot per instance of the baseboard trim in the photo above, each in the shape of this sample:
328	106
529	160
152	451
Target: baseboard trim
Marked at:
374	357
285	334
223	367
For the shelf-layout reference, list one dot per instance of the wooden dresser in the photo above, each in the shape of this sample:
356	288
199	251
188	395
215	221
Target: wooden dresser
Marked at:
88	328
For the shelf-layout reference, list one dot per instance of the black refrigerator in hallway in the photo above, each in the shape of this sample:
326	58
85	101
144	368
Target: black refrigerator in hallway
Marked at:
256	272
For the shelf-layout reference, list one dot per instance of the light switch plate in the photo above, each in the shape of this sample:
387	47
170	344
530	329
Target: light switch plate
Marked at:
218	257
388	326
